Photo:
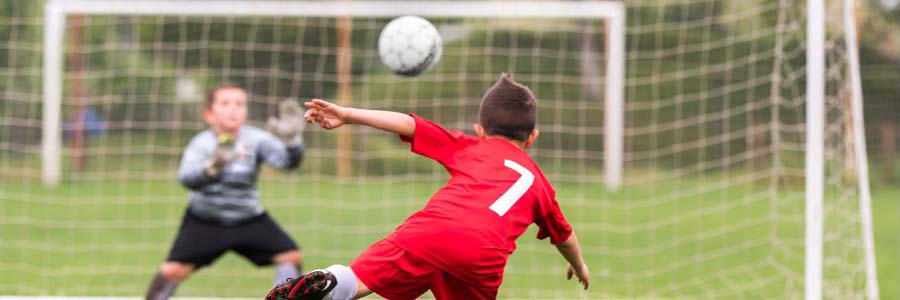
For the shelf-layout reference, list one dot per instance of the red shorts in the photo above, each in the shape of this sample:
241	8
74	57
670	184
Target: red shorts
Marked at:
395	274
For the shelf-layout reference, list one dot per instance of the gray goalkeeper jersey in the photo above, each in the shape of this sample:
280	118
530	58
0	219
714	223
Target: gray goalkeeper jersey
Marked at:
231	196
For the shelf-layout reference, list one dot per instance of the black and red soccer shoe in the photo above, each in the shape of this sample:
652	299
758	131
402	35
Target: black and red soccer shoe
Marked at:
314	285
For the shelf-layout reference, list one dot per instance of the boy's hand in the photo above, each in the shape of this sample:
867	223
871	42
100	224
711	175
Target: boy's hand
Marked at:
288	127
327	115
222	155
582	273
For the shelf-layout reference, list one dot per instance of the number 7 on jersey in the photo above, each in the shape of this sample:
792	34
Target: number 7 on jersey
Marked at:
506	201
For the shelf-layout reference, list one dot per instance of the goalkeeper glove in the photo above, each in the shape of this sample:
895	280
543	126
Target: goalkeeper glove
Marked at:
222	155
288	127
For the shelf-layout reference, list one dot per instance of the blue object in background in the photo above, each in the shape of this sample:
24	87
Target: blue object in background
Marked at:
94	124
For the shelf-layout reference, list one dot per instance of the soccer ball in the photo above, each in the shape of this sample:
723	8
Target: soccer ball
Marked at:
409	45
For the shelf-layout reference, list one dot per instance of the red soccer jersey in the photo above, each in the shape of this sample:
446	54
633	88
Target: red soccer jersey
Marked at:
469	227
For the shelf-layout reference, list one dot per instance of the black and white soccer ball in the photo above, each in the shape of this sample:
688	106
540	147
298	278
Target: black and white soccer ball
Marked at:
409	45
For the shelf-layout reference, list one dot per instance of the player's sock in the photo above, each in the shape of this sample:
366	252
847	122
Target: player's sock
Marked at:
283	271
161	288
346	282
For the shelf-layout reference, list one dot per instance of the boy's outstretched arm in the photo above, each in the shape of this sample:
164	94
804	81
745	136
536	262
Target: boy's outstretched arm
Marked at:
571	251
331	116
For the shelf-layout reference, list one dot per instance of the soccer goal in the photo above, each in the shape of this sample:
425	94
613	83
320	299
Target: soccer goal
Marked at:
701	149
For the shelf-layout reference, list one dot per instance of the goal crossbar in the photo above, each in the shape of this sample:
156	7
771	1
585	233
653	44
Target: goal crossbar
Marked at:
585	10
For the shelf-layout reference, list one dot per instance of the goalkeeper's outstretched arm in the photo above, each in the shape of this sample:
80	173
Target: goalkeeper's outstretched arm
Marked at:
331	116
282	146
281	155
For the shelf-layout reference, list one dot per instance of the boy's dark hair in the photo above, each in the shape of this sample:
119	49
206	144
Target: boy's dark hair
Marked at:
508	109
211	93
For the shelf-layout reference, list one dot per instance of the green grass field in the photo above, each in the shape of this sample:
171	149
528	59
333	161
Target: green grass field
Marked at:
670	240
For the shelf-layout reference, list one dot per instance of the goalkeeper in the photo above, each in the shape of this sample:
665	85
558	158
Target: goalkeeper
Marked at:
220	167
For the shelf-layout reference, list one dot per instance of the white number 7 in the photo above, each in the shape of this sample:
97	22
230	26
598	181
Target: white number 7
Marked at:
506	201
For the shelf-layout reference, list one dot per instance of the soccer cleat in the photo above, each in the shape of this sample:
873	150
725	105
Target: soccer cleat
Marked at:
314	285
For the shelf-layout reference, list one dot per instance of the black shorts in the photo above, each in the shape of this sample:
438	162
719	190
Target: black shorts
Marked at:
201	242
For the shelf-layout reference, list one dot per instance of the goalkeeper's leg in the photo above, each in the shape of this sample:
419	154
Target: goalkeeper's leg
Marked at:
167	279
197	244
288	264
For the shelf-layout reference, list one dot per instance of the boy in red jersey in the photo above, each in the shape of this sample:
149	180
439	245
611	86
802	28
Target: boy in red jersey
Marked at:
458	245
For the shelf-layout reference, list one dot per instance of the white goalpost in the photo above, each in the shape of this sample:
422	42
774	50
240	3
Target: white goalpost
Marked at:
815	164
815	142
702	149
859	150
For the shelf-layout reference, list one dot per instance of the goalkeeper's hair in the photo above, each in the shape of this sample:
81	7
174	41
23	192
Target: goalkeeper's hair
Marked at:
211	93
508	109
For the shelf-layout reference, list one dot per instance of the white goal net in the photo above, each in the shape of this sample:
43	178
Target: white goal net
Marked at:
712	202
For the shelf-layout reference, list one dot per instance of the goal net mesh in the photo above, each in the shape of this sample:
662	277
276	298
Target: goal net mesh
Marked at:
712	205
